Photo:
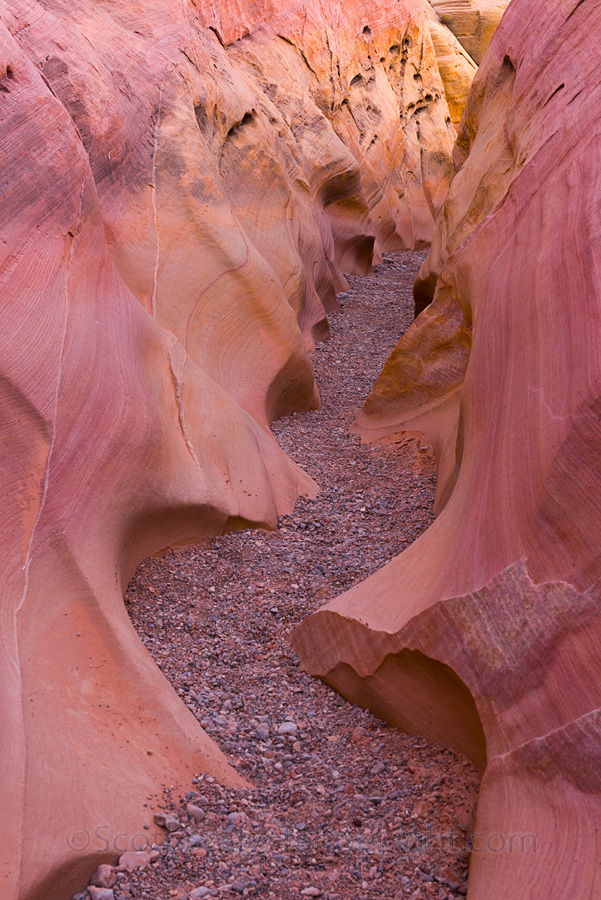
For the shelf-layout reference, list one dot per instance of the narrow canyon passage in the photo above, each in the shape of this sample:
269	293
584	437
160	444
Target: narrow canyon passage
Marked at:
341	805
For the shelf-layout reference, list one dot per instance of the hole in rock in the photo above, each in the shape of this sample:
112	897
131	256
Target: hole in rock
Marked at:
246	119
6	78
201	116
340	799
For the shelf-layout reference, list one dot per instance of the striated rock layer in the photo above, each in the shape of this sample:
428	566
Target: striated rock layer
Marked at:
184	185
486	633
456	67
473	22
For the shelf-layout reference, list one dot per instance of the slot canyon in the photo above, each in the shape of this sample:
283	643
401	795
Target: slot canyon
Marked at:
301	506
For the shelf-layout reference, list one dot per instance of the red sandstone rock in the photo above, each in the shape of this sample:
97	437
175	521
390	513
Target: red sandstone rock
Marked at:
107	456
375	120
134	859
486	633
183	187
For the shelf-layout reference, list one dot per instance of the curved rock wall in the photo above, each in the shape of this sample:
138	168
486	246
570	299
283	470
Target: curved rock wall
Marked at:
486	633
183	187
456	67
473	22
109	451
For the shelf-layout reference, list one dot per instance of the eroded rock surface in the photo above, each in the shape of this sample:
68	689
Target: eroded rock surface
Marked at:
473	22
183	187
485	634
456	67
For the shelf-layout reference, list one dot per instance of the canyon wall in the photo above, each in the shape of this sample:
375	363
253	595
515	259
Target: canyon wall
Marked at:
184	186
473	22
456	67
485	634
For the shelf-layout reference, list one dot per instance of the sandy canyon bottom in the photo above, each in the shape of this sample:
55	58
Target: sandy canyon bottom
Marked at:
342	806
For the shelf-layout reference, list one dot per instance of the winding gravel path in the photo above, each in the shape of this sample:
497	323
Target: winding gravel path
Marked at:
343	807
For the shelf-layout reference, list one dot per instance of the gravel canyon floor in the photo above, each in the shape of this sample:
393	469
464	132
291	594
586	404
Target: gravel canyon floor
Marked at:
340	805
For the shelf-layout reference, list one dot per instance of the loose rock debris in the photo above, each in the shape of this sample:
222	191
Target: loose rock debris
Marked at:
342	806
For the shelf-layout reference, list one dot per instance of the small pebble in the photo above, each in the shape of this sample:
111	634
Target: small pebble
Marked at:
195	812
100	893
287	728
166	821
105	876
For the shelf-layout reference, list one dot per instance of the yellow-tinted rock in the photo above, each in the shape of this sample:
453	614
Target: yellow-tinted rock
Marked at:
456	67
473	22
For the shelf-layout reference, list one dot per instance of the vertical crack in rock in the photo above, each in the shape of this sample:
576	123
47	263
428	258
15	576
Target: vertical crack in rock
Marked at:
42	503
178	381
54	413
576	8
155	211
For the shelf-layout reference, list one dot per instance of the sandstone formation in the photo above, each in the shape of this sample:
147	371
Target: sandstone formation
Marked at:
486	633
473	22
108	453
183	187
456	67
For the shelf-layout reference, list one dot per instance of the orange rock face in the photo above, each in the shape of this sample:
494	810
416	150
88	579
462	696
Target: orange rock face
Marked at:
486	633
183	187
